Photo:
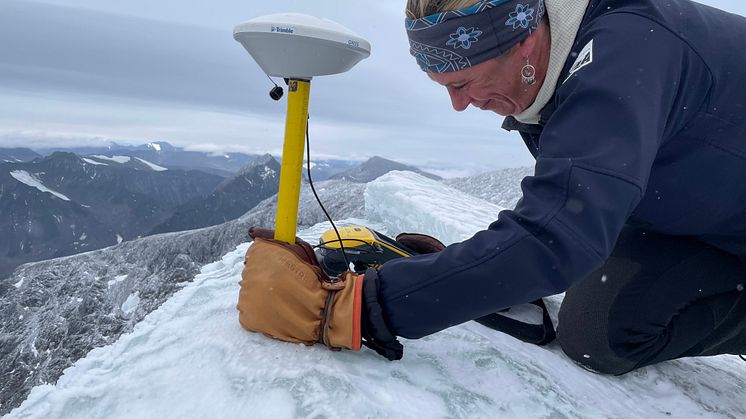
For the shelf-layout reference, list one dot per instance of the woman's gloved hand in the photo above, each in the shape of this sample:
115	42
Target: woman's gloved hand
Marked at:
420	243
285	295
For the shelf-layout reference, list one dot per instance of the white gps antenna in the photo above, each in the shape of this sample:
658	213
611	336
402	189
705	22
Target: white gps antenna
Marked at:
297	48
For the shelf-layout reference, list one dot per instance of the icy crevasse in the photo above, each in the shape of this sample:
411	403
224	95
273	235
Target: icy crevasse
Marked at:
191	359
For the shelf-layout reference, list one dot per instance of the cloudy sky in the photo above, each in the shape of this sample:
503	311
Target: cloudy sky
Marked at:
90	71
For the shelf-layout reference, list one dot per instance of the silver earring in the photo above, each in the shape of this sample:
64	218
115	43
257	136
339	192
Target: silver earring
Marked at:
528	74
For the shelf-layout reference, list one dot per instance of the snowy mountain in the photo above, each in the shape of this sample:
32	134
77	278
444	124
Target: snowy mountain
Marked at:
65	204
257	181
191	359
166	155
376	167
105	148
134	163
54	312
16	155
325	169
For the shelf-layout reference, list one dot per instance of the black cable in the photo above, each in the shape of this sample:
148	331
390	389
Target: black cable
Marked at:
270	79
741	356
310	182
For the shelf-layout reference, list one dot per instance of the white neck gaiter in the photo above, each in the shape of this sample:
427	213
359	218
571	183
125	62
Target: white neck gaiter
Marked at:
565	17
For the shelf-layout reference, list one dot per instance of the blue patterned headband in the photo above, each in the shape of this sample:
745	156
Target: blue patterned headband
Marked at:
459	39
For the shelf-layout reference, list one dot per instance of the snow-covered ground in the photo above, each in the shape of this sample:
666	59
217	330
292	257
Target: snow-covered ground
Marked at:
151	165
117	159
94	162
33	181
191	359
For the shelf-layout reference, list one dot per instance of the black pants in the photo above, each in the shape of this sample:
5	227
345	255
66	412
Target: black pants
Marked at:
656	298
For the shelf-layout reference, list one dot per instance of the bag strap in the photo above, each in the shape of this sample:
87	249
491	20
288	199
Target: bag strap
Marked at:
538	334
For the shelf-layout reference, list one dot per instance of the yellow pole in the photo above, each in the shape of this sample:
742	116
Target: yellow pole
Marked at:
292	160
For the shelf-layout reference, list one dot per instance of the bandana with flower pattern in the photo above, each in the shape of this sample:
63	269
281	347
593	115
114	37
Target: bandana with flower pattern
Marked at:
459	39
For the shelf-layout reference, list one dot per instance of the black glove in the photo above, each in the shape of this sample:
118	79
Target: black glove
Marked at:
376	333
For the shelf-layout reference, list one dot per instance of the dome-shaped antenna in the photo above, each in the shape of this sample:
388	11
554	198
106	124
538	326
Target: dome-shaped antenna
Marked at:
297	46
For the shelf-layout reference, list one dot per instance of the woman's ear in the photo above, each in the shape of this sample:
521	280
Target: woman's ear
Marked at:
540	38
526	47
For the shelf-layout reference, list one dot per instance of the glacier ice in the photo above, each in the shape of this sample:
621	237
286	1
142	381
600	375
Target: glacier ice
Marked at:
406	201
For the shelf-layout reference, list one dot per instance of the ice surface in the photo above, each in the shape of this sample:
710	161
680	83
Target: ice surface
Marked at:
151	165
118	159
31	180
406	201
131	303
191	359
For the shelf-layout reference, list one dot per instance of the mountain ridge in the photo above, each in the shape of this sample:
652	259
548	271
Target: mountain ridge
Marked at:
233	197
376	167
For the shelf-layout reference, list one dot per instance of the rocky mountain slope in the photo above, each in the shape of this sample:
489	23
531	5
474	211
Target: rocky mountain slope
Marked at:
232	198
65	204
500	187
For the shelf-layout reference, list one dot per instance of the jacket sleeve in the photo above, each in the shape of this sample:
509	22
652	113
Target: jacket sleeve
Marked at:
595	156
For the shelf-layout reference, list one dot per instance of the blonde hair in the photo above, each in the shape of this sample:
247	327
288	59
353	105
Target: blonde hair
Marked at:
421	8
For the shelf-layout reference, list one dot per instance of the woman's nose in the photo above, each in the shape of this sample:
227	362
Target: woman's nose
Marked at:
459	99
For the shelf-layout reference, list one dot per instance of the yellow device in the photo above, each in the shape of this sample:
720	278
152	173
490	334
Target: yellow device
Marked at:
365	248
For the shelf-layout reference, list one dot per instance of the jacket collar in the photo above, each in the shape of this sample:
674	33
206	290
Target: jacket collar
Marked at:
565	17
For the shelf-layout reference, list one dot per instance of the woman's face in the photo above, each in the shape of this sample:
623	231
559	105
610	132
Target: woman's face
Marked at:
494	85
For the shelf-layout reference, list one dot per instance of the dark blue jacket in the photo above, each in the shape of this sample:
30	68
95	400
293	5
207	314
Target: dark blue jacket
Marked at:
652	132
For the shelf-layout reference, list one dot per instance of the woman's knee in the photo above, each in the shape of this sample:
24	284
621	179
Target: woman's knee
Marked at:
586	336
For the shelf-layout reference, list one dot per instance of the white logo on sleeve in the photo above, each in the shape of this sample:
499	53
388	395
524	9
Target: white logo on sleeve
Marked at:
585	57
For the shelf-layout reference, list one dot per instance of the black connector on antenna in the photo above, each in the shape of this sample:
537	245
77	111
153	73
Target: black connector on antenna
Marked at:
277	91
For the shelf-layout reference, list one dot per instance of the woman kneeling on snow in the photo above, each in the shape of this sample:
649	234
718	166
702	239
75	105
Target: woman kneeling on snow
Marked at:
635	111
